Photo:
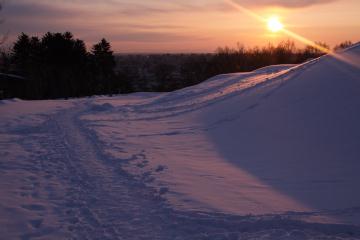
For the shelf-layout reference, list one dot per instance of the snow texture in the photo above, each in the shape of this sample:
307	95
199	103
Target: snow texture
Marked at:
269	154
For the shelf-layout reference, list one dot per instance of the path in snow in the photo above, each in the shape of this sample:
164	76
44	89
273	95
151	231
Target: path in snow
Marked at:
56	183
279	139
116	168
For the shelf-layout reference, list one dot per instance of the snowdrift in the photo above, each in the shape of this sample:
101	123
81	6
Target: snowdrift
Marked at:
269	154
298	134
277	140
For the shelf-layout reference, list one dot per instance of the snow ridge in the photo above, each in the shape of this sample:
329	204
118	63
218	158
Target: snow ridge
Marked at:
270	154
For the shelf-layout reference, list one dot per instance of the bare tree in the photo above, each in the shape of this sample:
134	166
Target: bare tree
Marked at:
4	37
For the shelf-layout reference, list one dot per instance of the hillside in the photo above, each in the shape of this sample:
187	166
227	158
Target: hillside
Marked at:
269	154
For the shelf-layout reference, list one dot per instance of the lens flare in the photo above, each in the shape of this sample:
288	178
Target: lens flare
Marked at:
274	25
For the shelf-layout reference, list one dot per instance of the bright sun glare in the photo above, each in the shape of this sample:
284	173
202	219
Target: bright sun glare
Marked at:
274	24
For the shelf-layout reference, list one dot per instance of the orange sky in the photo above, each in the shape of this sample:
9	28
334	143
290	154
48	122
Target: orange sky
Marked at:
182	25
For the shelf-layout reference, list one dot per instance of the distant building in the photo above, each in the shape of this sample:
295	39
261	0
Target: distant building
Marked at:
12	86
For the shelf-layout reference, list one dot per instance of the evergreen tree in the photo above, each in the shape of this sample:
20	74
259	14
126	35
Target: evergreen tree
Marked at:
65	65
104	64
21	54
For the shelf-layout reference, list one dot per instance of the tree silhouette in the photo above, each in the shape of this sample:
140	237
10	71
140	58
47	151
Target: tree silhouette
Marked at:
4	37
104	64
59	66
343	45
66	64
21	54
55	66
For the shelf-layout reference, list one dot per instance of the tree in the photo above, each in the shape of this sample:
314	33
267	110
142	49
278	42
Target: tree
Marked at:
21	54
104	64
5	61
163	73
314	52
55	65
59	66
343	45
4	37
65	65
4	54
284	52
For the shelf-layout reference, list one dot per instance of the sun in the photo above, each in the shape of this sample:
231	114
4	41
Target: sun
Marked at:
274	25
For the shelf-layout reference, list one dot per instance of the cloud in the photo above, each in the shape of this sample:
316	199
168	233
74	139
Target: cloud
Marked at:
28	10
80	16
283	3
37	15
149	37
151	21
70	8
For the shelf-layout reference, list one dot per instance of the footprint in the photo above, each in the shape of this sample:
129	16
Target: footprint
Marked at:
143	164
31	178
34	207
24	194
36	223
163	190
160	168
35	195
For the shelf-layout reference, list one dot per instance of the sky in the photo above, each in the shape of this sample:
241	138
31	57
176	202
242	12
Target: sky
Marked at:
181	25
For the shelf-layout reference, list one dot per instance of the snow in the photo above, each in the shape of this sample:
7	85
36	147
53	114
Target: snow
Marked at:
11	76
269	154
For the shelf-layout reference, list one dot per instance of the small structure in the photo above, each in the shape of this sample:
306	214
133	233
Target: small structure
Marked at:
12	86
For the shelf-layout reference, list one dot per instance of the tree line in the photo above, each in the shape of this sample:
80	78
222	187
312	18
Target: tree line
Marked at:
57	65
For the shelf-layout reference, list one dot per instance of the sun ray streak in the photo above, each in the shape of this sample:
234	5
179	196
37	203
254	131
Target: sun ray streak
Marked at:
306	41
245	10
294	35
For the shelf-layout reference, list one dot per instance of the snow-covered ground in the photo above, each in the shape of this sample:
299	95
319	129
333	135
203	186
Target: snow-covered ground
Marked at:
270	154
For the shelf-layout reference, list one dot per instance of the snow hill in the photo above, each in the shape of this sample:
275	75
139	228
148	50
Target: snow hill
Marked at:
269	154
